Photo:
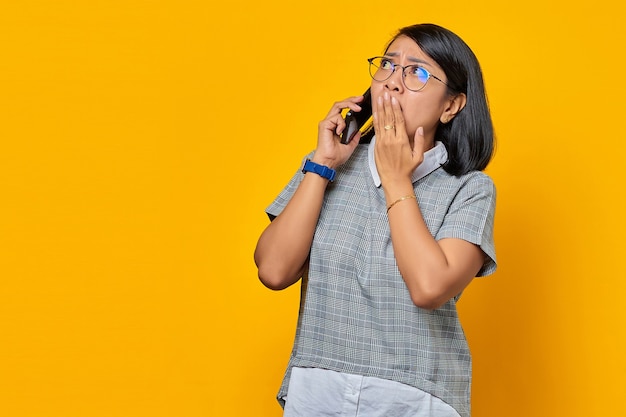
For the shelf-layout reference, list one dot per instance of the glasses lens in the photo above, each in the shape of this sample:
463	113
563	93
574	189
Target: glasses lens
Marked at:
381	68
415	77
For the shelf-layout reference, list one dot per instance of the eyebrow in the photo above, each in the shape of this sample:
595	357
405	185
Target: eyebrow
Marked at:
410	58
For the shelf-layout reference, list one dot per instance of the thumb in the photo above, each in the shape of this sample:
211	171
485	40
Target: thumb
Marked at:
418	141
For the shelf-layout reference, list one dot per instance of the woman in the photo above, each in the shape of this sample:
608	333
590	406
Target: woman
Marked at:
387	247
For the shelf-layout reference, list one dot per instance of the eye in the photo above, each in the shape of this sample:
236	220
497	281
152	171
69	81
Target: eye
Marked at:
418	72
386	64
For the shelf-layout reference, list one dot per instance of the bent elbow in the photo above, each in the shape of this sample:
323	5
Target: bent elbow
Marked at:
427	304
427	300
272	284
274	280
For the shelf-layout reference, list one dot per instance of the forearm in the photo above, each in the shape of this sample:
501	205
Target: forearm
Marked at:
283	248
432	271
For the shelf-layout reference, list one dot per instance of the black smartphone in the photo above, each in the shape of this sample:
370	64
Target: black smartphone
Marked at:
359	120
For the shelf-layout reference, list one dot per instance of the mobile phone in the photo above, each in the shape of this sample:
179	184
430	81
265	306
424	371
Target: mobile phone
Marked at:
359	120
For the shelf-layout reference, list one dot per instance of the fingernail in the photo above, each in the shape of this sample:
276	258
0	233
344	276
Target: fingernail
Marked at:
386	95
420	131
393	100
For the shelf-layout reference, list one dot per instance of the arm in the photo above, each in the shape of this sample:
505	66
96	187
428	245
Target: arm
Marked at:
434	271
283	249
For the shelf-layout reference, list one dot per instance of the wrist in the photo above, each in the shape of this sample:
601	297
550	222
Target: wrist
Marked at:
323	171
395	188
327	162
400	199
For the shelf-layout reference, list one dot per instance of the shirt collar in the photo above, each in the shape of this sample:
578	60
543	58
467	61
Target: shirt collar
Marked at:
433	159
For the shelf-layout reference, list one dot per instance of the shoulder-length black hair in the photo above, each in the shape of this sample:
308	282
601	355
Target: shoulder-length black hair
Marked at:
469	136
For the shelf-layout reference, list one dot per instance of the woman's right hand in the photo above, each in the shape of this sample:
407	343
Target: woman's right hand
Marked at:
330	152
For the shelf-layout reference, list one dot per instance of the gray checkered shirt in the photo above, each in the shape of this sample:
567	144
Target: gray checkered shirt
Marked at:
356	314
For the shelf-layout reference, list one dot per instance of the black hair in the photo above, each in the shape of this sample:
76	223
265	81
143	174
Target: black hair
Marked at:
469	136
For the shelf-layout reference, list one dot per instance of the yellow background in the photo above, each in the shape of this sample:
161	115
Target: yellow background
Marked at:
140	142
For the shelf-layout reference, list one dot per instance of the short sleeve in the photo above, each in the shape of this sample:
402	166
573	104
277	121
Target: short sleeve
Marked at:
279	204
471	218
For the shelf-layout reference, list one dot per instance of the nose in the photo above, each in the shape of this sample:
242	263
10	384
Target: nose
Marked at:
395	82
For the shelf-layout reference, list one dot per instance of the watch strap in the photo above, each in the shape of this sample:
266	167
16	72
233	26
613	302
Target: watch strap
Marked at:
321	170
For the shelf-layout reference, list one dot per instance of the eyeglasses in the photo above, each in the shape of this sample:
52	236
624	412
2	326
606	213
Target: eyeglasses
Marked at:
414	77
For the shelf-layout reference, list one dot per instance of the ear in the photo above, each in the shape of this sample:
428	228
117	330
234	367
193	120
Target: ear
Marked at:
453	106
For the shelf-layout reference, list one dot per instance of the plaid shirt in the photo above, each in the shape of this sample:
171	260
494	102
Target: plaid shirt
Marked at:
356	314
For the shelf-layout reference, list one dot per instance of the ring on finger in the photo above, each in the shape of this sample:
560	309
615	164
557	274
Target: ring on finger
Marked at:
388	127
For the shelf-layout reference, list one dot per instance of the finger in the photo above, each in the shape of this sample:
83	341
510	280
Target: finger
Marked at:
349	103
375	119
341	125
398	117
328	124
388	118
335	124
419	141
379	117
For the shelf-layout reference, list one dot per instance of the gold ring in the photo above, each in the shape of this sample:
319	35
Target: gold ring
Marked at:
388	127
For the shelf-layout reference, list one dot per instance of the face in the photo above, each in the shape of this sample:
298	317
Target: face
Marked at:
427	107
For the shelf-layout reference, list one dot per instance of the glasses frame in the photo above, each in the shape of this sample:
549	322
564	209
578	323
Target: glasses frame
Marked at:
404	68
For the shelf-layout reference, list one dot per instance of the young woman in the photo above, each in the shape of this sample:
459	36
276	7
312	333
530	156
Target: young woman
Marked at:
385	236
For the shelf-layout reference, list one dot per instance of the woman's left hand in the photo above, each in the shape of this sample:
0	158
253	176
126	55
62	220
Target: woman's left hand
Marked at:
396	157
